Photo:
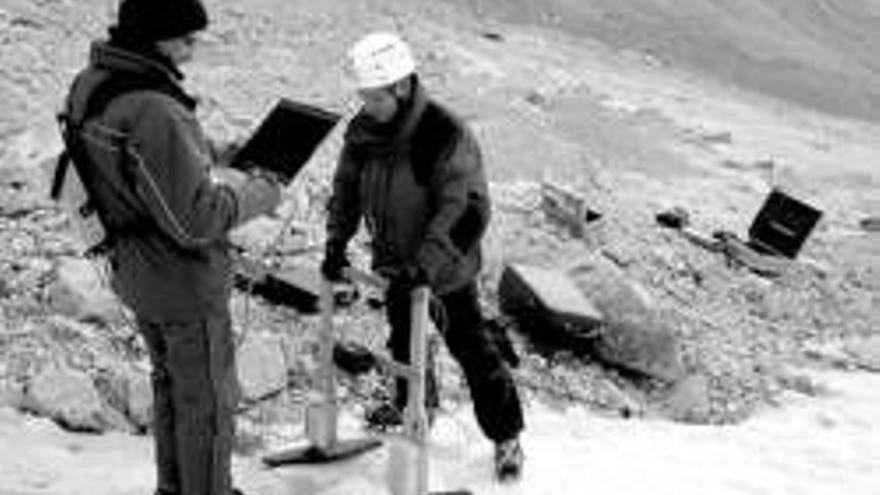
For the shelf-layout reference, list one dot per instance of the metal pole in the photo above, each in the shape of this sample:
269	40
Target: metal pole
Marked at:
321	414
416	415
322	411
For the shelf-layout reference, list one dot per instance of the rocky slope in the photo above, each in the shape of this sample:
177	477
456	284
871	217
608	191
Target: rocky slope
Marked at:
611	99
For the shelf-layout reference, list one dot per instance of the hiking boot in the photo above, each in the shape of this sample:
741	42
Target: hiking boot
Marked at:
509	459
389	417
160	491
384	417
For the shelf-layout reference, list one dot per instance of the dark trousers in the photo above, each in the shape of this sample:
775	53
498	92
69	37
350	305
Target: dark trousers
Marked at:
496	402
194	389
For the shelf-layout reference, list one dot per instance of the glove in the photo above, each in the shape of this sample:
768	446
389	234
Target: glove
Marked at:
353	358
256	196
224	153
410	277
334	263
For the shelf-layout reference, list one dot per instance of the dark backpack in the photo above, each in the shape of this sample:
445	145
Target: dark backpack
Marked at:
96	184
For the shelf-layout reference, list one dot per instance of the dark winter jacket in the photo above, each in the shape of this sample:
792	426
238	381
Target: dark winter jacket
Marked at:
170	258
421	189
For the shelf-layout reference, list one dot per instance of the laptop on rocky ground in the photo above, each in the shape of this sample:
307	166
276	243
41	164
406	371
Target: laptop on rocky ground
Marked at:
782	225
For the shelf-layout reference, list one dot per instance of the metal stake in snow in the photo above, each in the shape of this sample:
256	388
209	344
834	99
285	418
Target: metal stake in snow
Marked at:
322	410
407	472
408	465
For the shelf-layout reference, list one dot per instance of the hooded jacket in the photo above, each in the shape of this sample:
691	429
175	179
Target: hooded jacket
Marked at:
169	219
420	187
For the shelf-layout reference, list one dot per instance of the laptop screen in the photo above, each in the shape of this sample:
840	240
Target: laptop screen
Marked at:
782	225
286	139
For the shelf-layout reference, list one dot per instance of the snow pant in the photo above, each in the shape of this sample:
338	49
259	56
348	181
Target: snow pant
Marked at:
194	390
496	402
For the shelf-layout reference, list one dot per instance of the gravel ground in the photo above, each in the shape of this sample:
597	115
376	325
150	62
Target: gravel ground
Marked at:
742	333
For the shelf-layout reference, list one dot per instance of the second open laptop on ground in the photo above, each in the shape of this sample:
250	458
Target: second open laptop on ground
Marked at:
286	139
782	225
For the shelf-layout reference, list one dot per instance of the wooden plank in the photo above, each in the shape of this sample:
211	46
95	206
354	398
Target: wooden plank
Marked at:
566	207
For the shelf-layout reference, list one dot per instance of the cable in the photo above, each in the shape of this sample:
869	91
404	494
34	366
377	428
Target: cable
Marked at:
182	235
271	246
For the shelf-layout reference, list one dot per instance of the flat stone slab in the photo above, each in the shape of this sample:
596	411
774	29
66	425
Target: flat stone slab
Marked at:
546	302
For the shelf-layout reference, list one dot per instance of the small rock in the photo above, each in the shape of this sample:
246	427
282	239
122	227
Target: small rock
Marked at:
262	370
536	98
832	354
11	393
675	218
299	357
870	224
688	401
81	293
70	398
257	234
865	352
619	400
801	384
130	392
15	205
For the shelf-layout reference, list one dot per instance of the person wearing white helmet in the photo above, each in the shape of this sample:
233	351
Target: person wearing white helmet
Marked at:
414	173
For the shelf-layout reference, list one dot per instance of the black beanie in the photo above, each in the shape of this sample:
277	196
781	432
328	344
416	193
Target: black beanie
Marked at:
156	20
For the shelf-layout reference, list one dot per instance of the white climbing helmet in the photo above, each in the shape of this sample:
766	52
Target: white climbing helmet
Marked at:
381	59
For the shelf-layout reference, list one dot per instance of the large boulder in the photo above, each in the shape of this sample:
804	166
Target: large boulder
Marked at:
645	345
608	288
80	292
70	398
635	336
359	485
547	306
262	369
129	391
5	288
140	399
22	191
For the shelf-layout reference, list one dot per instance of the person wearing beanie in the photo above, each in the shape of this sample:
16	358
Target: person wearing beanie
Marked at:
149	21
151	177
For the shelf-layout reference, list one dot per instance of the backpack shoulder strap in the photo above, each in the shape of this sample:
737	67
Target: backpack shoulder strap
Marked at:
114	85
435	134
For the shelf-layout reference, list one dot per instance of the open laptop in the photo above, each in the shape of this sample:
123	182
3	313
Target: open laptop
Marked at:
286	139
782	225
